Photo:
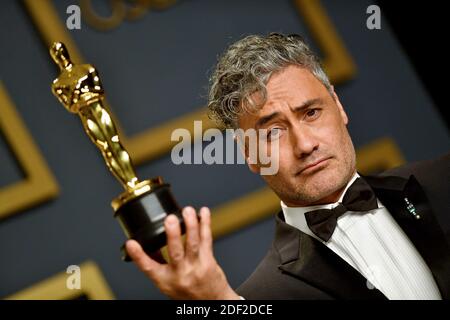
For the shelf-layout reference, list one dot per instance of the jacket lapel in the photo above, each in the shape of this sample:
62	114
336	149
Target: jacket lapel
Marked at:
408	204
306	258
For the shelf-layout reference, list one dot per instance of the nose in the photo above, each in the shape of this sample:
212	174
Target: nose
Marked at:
303	141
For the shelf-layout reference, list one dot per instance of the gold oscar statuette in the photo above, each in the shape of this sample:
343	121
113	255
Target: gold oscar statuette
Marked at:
143	206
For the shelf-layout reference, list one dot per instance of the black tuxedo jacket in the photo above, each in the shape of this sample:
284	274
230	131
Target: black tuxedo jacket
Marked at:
297	266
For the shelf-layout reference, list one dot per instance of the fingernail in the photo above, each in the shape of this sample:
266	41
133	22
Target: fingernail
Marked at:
129	246
205	211
171	220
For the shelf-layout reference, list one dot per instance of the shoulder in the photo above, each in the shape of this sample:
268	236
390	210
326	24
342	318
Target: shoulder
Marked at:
434	177
433	174
436	168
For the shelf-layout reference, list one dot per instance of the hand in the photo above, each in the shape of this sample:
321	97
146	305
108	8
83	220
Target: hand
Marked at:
193	272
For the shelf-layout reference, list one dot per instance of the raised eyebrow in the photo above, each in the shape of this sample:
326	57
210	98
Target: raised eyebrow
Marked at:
263	120
308	103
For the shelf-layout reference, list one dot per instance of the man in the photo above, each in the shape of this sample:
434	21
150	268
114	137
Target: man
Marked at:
339	235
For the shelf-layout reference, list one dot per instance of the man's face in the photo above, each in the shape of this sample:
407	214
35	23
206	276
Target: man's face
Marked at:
316	154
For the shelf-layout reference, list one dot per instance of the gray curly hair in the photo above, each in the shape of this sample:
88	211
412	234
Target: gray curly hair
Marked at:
245	69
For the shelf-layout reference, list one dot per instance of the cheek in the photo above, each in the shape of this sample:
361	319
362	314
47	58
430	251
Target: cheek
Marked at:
332	134
285	157
284	166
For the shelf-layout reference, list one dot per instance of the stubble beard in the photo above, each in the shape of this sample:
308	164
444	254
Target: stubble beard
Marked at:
317	187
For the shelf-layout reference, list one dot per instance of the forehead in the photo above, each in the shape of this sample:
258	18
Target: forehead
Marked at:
289	87
292	83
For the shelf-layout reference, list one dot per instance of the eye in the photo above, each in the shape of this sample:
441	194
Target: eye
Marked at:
273	134
313	113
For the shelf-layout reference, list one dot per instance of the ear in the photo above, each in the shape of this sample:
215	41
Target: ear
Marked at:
244	150
339	105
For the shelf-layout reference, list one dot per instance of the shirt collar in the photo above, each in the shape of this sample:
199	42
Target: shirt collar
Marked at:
295	216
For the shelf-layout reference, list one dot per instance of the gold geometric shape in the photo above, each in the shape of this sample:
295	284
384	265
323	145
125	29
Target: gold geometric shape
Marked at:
337	61
382	154
93	287
378	156
155	142
39	184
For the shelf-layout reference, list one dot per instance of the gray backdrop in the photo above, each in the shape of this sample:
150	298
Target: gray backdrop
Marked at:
155	69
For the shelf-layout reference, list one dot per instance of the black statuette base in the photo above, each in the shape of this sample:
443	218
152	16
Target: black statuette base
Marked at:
142	218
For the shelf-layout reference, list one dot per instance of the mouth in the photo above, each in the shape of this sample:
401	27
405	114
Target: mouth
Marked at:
317	165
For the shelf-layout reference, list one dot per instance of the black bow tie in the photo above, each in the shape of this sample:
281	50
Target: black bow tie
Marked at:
358	197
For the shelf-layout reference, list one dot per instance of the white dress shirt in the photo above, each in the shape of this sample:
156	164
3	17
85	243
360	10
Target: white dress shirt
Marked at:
376	246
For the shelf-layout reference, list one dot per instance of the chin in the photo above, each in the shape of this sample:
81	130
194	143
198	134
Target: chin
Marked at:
312	188
322	184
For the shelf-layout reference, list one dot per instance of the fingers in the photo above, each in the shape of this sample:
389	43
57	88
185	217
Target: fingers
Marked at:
198	237
205	230
174	243
141	259
192	233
